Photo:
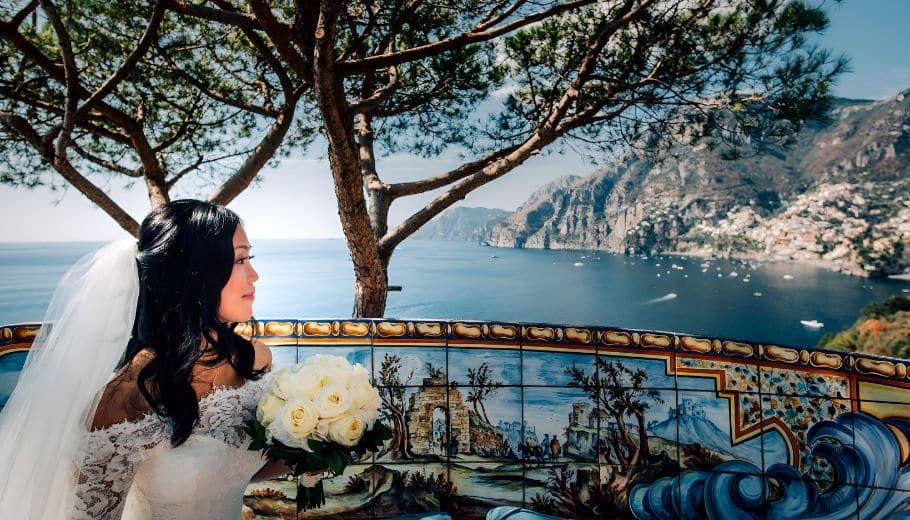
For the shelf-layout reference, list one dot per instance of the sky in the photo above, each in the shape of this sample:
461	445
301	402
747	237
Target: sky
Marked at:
296	199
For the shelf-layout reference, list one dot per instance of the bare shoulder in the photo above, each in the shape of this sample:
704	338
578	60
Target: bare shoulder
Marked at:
121	399
263	360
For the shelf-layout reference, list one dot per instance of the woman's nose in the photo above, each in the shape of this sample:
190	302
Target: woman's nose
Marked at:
253	274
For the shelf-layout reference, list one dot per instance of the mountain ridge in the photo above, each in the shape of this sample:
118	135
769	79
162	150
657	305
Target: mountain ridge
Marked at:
838	197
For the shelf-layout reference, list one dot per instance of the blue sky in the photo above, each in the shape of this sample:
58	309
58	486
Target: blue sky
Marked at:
296	199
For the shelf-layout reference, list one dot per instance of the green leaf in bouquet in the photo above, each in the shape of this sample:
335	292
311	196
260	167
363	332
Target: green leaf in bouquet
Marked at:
316	446
335	461
256	431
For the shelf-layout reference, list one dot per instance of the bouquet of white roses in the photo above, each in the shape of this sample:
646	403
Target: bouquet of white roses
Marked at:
315	416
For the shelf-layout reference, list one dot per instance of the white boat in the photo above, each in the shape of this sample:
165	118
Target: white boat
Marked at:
812	324
579	264
788	277
665	298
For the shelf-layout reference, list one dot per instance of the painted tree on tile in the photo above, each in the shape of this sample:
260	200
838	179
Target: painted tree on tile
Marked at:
620	393
482	386
391	388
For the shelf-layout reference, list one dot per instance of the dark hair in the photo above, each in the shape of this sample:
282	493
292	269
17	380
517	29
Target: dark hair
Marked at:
186	256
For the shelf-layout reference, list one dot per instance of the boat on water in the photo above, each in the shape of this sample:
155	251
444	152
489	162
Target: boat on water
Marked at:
812	324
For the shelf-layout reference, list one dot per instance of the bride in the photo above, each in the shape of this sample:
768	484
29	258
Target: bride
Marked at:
133	397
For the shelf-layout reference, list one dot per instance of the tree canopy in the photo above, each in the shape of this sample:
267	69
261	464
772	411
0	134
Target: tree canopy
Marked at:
93	90
166	89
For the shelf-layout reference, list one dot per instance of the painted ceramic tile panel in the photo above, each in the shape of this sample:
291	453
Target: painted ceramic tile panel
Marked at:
873	500
642	369
412	488
484	365
715	428
708	373
283	356
482	486
573	490
417	416
494	420
15	341
348	495
11	362
564	413
778	379
411	365
794	416
733	430
544	367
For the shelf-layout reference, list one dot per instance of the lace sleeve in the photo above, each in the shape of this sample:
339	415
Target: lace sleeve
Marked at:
109	464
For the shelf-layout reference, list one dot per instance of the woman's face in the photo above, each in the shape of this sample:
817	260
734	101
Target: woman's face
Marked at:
237	296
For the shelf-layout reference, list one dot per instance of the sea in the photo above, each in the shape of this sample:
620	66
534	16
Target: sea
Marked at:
761	302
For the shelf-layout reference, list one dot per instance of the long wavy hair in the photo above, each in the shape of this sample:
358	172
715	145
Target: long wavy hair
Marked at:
186	256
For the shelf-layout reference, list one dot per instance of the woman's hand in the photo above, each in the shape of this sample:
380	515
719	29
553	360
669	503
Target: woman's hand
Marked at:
278	468
310	478
272	470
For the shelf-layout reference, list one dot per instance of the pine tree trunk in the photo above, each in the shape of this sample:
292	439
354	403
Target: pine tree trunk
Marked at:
371	286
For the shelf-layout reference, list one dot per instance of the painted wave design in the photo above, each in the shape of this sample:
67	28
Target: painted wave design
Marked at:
863	451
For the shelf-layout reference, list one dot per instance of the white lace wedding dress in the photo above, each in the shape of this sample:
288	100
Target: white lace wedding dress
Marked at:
130	470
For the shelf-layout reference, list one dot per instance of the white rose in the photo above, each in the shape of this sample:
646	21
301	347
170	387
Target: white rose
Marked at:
294	423
346	430
337	362
333	401
309	383
336	368
268	408
364	395
282	381
300	382
368	416
360	375
322	430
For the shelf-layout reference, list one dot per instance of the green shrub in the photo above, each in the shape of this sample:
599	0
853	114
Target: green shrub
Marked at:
887	308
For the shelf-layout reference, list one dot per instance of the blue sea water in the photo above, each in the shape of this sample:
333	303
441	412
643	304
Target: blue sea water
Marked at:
453	280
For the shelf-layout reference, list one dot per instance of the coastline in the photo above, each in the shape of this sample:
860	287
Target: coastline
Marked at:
836	266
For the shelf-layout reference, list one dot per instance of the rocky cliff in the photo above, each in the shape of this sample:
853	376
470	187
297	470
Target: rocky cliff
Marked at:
463	224
839	196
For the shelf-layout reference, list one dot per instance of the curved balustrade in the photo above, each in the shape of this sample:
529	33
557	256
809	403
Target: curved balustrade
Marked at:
553	418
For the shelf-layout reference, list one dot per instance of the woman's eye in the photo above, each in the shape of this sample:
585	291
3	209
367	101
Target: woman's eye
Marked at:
240	261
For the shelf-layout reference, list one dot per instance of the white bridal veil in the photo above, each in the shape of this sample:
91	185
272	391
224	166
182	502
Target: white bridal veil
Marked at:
44	425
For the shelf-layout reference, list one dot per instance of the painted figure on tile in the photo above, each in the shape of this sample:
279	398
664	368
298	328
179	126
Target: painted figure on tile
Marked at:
453	444
555	448
545	446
